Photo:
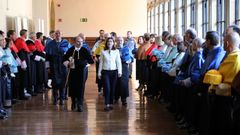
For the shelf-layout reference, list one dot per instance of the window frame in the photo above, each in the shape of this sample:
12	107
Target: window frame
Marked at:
193	14
220	18
237	12
205	18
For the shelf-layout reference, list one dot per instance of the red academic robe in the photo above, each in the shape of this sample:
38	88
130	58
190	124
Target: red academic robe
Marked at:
23	49
148	53
23	54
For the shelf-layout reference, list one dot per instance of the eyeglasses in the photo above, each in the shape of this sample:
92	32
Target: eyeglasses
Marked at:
80	41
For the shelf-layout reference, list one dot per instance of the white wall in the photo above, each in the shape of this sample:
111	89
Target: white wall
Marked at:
9	9
110	15
41	13
32	10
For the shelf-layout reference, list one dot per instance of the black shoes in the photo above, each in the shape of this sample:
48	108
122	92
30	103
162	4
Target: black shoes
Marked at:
124	103
61	102
73	107
3	114
108	108
80	108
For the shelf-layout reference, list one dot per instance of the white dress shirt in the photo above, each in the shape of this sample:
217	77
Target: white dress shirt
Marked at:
110	60
176	64
167	52
163	48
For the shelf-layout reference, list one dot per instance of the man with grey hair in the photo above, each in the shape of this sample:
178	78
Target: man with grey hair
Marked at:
85	44
233	28
189	36
122	87
54	53
173	51
77	59
32	65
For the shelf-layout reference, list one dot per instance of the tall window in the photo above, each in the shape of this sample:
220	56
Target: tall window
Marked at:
181	17
220	18
172	15
193	14
204	17
152	20
237	12
165	19
156	19
148	21
160	19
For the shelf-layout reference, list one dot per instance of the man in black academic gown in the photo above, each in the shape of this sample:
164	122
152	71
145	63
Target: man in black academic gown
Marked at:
54	54
77	58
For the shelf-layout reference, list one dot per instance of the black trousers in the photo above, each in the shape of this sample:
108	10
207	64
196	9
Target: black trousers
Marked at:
137	69
221	116
236	114
77	80
181	101
143	76
22	81
98	81
109	79
155	80
2	91
122	87
15	86
170	93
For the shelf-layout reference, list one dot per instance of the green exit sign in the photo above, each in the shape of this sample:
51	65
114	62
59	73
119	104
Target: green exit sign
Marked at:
83	20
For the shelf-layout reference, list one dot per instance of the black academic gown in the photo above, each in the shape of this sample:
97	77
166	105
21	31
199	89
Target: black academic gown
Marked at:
31	72
40	70
77	75
54	54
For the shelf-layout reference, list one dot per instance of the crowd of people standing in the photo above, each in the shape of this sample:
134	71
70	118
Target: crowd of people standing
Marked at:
197	79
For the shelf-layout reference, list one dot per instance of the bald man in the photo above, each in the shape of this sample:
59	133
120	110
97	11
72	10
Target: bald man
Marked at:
228	69
85	44
55	51
233	28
